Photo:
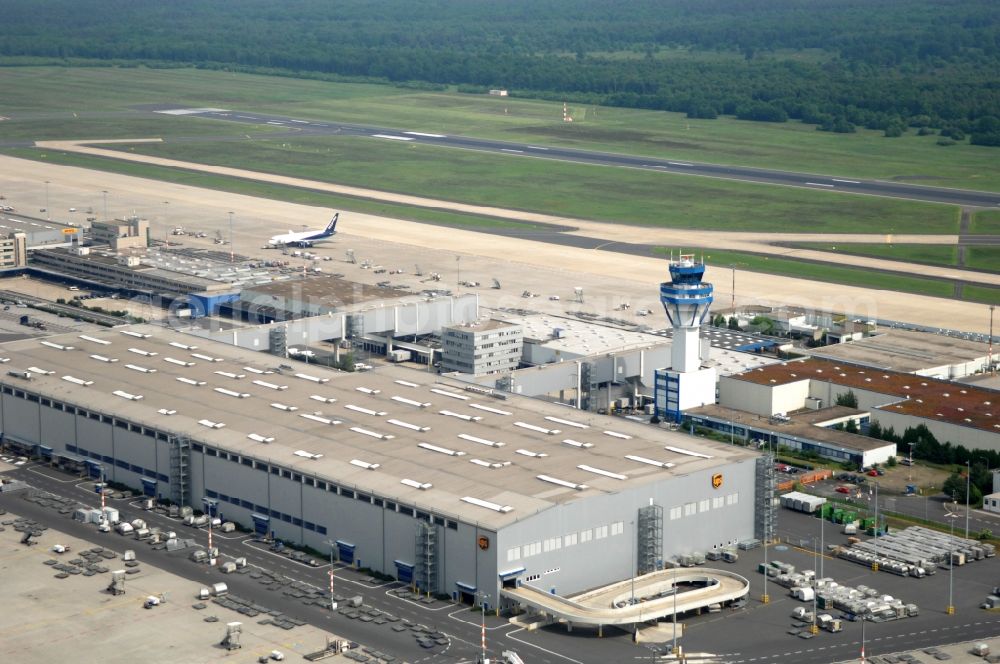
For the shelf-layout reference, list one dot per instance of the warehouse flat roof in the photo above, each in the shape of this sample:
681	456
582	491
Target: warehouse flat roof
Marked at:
191	282
512	457
580	337
793	428
326	291
10	224
905	350
942	400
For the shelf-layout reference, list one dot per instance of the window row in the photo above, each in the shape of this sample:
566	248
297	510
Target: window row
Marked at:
559	542
118	463
83	412
699	507
260	509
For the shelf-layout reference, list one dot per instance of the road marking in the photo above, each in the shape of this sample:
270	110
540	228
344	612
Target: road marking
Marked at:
246	117
818	184
536	147
846	181
389	593
511	636
465	609
510	150
47	476
679	163
272	122
417	133
392	138
301	121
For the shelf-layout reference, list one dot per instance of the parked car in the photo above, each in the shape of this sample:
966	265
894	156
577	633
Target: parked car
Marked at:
843	489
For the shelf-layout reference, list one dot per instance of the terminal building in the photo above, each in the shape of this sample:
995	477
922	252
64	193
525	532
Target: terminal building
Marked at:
429	480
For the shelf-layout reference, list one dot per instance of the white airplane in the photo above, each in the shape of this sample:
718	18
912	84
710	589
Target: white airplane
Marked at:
304	238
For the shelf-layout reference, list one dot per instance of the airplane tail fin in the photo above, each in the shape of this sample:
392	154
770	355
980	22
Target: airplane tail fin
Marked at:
331	228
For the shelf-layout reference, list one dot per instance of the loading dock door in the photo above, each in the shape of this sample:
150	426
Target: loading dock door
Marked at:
466	593
509	578
404	571
345	550
45	452
93	469
148	487
260	524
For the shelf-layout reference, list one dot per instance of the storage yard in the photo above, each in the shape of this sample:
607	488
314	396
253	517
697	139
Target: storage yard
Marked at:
39	607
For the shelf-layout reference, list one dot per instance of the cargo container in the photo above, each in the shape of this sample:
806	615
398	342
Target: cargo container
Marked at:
220	589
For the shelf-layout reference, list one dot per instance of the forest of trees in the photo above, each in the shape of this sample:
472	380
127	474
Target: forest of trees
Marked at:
840	64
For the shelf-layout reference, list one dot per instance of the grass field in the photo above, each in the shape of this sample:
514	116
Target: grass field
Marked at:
986	222
574	190
932	254
275	192
789	146
983	258
849	276
984	294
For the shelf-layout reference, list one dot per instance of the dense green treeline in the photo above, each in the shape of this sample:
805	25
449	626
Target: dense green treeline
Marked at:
884	64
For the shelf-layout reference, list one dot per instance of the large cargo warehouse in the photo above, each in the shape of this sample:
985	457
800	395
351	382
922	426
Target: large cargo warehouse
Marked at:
453	487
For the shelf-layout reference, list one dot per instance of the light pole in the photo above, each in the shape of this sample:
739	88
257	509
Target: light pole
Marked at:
482	605
232	251
458	269
675	611
105	192
910	475
968	486
333	602
814	629
875	562
48	212
209	505
632	564
951	565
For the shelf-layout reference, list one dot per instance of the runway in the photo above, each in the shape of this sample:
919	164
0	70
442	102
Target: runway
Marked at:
881	188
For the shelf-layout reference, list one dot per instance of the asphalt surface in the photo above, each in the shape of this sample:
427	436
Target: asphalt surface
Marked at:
459	623
882	188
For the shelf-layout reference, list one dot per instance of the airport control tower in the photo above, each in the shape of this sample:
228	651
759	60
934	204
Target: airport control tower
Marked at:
686	299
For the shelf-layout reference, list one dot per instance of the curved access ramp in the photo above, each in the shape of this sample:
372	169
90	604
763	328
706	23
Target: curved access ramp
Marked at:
699	587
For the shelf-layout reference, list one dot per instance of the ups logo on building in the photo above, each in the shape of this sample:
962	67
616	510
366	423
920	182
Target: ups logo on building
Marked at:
716	480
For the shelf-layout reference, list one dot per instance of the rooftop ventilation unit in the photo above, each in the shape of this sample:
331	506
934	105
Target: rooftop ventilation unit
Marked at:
368	390
681	450
315	379
481	441
406	383
446	393
232	393
260	439
529	453
270	386
604	473
568	423
490	464
364	464
229	374
4	360
532	427
316	397
136	367
144	353
101	358
95	340
615	434
177	344
78	381
565	483
503	509
576	443
423	486
318	418
190	381
366	411
180	363
467	418
166	411
488	409
125	395
440	450
651	462
55	345
307	455
373	434
207	358
137	335
407	425
256	371
281	406
210	424
411	402
40	371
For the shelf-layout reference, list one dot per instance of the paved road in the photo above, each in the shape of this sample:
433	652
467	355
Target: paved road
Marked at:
460	624
882	188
